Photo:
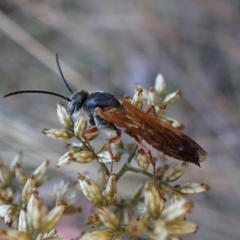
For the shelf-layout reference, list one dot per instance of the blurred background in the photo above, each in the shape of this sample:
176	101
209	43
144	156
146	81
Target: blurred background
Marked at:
111	45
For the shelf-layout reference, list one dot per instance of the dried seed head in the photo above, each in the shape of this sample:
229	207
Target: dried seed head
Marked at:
177	210
10	213
53	217
176	171
64	117
21	176
136	228
98	235
160	85
91	191
102	178
16	160
14	235
137	100
64	190
181	227
172	97
64	160
160	110
108	218
51	235
27	189
192	188
172	122
80	126
153	202
84	156
152	97
93	220
110	190
59	134
5	175
10	193
22	223
4	198
36	211
39	172
104	157
176	196
143	159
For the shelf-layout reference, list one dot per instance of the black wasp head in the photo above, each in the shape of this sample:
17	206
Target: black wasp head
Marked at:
76	101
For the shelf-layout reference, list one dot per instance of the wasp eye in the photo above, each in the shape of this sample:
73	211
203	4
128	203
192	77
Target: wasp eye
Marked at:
71	106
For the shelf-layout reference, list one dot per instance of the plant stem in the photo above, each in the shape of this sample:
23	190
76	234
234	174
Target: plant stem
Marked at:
126	165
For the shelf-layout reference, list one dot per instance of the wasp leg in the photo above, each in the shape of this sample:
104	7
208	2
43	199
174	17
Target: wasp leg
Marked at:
147	151
87	132
110	141
105	125
150	108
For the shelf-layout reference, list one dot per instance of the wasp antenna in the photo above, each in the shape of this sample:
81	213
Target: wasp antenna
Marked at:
61	73
37	91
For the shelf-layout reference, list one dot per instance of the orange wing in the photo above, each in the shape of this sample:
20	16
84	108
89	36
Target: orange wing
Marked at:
157	133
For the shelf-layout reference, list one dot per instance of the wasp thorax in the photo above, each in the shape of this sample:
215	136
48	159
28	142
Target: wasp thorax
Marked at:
76	101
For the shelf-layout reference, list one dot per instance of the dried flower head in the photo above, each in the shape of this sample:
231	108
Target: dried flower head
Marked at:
144	214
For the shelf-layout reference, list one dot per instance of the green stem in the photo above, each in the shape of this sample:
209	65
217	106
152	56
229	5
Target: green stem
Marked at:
126	165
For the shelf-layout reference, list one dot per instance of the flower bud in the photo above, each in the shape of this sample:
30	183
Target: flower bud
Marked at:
4	198
53	217
16	160
93	220
21	176
27	189
90	190
22	224
160	110
153	202
152	98
98	235
59	134
181	227
36	211
104	157
14	234
160	85
143	159
172	97
108	218
64	190
64	160
177	210
80	126
102	178
174	123
137	228
64	117
5	175
10	213
137	100
192	188
84	156
110	190
40	171
176	171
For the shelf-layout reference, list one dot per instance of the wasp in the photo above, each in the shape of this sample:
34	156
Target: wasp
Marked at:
107	112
